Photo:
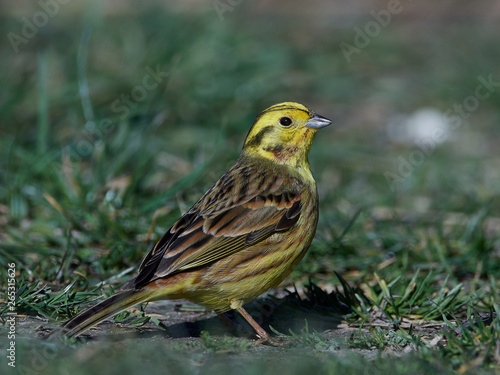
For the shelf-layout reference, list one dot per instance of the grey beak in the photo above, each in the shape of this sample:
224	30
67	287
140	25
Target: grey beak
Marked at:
317	122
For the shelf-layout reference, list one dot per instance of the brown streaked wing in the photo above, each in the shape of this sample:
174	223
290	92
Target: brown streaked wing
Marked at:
240	184
150	262
244	227
210	230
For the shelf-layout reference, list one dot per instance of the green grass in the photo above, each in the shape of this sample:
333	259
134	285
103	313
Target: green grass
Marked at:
89	180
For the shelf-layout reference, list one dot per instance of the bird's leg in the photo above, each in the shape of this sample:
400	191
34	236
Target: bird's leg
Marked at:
264	336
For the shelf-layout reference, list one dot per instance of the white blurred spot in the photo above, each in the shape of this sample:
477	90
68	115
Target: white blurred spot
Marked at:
426	124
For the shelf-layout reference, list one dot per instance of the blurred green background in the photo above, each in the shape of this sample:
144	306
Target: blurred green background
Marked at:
116	116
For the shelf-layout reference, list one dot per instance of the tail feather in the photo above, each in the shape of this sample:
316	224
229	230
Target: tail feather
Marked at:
107	308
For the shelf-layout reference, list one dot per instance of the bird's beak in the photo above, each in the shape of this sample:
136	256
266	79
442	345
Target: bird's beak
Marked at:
317	122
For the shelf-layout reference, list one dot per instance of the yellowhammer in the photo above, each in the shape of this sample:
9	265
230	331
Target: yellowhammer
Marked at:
244	236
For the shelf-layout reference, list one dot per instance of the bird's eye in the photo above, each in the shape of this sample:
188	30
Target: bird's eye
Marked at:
285	121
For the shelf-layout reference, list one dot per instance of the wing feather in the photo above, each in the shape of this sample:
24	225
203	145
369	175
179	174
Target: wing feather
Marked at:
228	218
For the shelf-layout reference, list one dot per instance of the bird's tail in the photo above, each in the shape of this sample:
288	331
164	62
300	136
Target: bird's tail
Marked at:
107	308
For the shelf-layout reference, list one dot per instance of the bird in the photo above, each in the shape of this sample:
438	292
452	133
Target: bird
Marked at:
244	235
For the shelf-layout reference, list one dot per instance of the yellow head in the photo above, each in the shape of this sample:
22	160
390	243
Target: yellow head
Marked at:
284	133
